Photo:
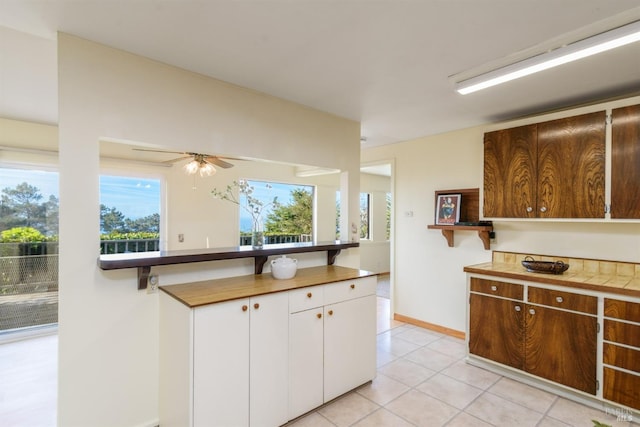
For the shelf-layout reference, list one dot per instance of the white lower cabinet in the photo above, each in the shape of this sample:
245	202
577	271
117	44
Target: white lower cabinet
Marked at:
239	353
349	345
332	345
265	360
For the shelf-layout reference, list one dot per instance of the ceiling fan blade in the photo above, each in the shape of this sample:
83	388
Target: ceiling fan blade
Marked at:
218	162
177	159
159	151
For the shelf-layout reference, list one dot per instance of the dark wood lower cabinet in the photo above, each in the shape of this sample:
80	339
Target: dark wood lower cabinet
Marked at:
496	330
561	346
554	344
621	387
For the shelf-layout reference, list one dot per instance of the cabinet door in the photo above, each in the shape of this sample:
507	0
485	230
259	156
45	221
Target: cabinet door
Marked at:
221	359
625	162
269	360
349	345
571	167
496	330
561	346
510	173
305	361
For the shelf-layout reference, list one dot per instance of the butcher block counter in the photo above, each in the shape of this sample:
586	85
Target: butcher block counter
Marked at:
219	290
622	278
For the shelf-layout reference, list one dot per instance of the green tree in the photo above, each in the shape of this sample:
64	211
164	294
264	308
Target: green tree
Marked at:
111	220
149	223
21	207
293	218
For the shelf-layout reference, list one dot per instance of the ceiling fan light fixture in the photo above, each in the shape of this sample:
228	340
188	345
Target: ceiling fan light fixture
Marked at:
206	169
192	167
602	42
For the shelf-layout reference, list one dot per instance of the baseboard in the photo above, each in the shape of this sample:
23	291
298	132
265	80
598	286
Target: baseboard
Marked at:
430	326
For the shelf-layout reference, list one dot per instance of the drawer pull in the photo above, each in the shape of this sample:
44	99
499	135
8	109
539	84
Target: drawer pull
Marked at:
543	209
532	311
529	209
353	286
559	299
494	288
517	308
309	295
245	308
256	306
330	312
319	315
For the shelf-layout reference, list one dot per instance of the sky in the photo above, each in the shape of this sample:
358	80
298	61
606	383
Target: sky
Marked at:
134	197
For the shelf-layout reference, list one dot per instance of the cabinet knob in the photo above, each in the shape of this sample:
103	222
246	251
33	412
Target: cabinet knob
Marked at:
353	286
494	288
529	209
309	295
245	308
543	209
256	306
319	315
559	299
517	308
330	312
532	311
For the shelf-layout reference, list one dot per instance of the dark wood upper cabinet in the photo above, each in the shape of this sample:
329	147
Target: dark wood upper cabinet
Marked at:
554	169
571	167
625	162
510	172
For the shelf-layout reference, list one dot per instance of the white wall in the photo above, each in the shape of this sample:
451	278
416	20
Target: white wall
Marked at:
108	334
429	284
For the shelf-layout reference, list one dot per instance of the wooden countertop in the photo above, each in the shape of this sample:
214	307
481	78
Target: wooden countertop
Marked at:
213	291
610	281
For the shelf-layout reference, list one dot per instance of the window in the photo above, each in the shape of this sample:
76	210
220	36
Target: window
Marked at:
129	214
28	248
365	215
286	211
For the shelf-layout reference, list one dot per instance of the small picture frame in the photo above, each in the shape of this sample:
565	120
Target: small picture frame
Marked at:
448	209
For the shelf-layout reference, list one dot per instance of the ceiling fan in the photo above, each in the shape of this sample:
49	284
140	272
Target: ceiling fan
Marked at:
200	163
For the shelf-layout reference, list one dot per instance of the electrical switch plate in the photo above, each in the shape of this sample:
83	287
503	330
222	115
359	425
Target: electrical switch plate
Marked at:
152	284
181	238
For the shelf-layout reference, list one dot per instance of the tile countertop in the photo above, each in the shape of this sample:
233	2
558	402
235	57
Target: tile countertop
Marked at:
219	290
621	278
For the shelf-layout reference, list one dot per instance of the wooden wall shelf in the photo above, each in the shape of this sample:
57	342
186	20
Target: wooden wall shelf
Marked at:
447	232
469	212
143	261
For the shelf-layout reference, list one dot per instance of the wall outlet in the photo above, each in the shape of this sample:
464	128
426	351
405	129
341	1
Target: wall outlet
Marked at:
492	237
181	238
152	284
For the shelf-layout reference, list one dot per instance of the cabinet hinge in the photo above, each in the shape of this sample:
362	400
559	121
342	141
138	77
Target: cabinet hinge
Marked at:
608	120
607	208
597	328
597	385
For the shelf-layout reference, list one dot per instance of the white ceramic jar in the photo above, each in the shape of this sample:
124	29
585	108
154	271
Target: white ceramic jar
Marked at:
283	267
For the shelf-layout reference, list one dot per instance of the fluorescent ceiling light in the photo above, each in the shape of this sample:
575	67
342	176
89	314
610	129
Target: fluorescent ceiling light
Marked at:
581	49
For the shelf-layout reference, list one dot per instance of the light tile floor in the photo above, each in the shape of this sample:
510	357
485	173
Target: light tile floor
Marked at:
422	380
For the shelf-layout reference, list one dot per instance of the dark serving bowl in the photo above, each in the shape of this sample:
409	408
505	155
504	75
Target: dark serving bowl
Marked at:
549	267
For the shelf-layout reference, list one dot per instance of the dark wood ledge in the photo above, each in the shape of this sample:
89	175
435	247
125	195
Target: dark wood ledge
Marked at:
143	261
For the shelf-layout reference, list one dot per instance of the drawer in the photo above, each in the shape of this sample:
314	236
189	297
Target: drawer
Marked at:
493	287
567	300
306	298
622	310
621	387
622	357
349	289
623	333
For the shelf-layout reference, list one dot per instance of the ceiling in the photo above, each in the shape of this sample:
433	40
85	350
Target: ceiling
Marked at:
384	63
